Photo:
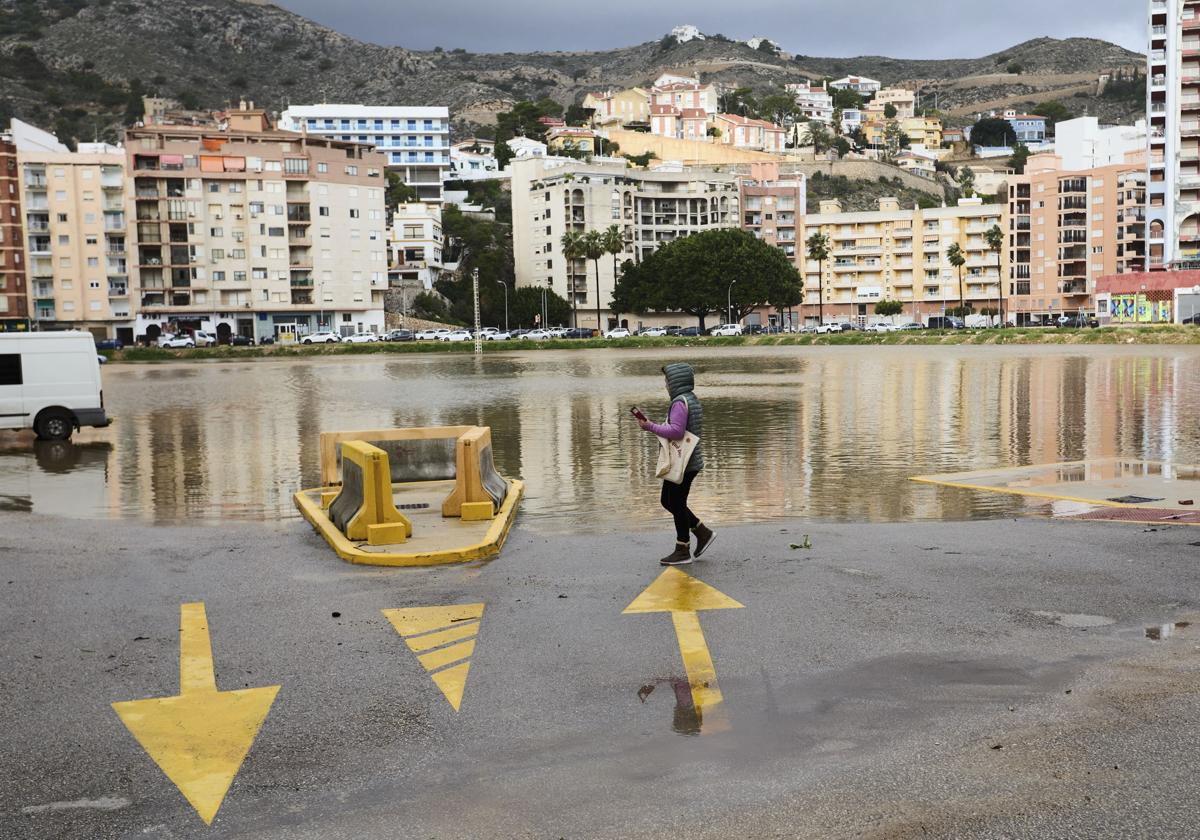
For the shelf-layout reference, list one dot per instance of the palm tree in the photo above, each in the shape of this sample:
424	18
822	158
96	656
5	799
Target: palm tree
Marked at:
572	248
593	249
818	249
614	243
995	241
958	259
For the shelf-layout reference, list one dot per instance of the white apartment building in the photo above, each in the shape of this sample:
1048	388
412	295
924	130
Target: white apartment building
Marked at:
415	245
1082	144
814	102
255	232
76	209
859	84
415	141
552	196
474	160
903	100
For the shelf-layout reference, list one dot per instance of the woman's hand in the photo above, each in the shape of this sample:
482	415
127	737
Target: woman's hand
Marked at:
645	424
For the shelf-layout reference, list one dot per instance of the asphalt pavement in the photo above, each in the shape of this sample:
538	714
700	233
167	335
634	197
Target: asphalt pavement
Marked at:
970	680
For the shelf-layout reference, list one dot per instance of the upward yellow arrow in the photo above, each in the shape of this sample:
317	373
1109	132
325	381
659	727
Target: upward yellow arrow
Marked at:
199	737
683	596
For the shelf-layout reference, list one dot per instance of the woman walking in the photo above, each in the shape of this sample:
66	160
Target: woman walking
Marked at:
686	415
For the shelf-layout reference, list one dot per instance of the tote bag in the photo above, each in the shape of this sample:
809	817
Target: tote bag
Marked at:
673	457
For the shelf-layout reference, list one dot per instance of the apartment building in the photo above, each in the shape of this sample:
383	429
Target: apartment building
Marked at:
902	99
253	231
773	205
859	84
14	312
474	160
814	101
746	133
415	141
619	108
415	245
1067	228
76	245
900	254
1029	128
1173	108
552	196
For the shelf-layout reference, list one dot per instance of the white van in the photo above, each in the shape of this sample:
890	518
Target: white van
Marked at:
50	382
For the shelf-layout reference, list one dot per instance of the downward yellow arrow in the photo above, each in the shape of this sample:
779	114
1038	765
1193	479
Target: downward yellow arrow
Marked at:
200	737
683	597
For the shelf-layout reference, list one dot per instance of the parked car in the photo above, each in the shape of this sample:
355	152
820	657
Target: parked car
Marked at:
497	335
361	338
937	322
691	332
457	335
537	335
425	335
400	335
1192	320
204	339
109	344
825	329
241	341
880	328
322	337
727	330
909	327
267	339
619	332
176	341
517	333
50	382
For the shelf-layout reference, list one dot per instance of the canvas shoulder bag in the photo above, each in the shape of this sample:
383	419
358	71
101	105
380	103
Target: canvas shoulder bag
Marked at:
673	457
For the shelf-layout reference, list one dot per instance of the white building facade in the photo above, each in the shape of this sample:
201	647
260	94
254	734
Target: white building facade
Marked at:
415	141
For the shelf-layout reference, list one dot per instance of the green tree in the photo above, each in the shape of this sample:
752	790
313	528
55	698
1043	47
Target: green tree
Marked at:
958	259
430	307
1019	158
889	309
398	192
894	139
995	240
766	46
843	98
1015	68
614	244
1054	112
889	111
819	137
818	249
693	274
522	121
993	131
593	248
525	305
476	245
573	250
966	182
578	115
738	101
779	108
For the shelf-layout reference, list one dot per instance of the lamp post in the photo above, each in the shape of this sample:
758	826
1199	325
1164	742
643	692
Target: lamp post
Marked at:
505	287
729	302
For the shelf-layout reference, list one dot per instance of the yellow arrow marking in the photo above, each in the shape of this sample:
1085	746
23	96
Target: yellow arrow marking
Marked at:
443	638
683	596
199	737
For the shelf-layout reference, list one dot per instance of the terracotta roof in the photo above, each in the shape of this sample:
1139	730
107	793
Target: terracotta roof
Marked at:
664	109
694	113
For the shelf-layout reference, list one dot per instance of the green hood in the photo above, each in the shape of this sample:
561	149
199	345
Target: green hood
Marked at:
681	379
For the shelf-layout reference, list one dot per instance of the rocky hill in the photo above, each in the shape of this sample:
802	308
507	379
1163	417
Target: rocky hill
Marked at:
79	66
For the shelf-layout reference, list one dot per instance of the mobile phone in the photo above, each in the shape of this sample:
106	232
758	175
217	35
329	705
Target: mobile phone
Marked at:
637	412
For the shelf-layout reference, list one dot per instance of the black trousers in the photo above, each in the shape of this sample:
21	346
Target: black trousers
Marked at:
675	500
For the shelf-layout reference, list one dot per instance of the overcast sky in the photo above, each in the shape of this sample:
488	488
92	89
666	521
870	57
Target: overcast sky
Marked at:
932	29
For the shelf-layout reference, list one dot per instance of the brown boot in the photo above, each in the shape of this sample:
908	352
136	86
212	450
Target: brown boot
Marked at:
681	556
704	538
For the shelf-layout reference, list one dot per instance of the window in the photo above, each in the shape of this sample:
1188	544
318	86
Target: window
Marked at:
93	262
218	254
64	239
214	186
239	277
259	273
351	170
10	369
322	211
218	276
353	212
93	284
216	232
90	240
62	218
322	167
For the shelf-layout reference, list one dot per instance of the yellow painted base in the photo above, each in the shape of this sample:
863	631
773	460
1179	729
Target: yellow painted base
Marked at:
388	533
477	511
435	541
327	498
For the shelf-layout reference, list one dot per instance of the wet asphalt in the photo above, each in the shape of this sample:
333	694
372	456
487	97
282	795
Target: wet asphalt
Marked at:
970	680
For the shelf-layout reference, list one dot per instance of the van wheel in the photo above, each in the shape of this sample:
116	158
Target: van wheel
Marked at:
54	424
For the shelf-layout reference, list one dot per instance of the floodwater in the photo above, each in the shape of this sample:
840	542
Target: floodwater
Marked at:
822	433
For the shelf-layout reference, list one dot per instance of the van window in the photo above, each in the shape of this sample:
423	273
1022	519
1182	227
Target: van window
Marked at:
10	368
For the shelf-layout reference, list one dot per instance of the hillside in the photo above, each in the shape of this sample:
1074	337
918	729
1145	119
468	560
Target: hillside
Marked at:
79	66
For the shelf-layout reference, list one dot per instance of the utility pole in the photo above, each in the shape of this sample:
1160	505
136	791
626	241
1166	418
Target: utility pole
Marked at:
505	287
475	292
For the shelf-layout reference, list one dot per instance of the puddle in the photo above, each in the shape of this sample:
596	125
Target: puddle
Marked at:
1076	620
686	719
1158	632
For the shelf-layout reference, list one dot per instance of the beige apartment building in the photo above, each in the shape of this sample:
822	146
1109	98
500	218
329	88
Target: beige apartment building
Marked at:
255	232
13	312
1066	229
552	196
75	220
900	254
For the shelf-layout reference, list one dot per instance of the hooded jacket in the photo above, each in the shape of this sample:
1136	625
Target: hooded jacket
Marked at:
681	381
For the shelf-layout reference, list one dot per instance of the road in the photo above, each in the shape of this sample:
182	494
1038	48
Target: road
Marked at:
971	680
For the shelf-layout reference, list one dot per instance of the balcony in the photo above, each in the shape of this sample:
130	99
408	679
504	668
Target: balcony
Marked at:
1073	287
39	246
301	280
35	181
301	297
117	288
43	290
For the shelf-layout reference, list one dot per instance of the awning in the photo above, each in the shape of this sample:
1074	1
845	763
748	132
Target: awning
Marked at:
170	160
235	164
211	163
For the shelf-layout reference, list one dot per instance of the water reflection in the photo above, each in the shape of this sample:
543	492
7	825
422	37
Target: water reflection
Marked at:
826	433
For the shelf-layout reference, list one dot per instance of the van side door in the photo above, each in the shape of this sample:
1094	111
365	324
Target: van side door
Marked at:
12	391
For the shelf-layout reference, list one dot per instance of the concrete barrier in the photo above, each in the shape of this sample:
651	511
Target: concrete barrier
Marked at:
364	509
478	489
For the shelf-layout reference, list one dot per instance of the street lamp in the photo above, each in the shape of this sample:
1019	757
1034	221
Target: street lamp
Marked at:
729	302
505	287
